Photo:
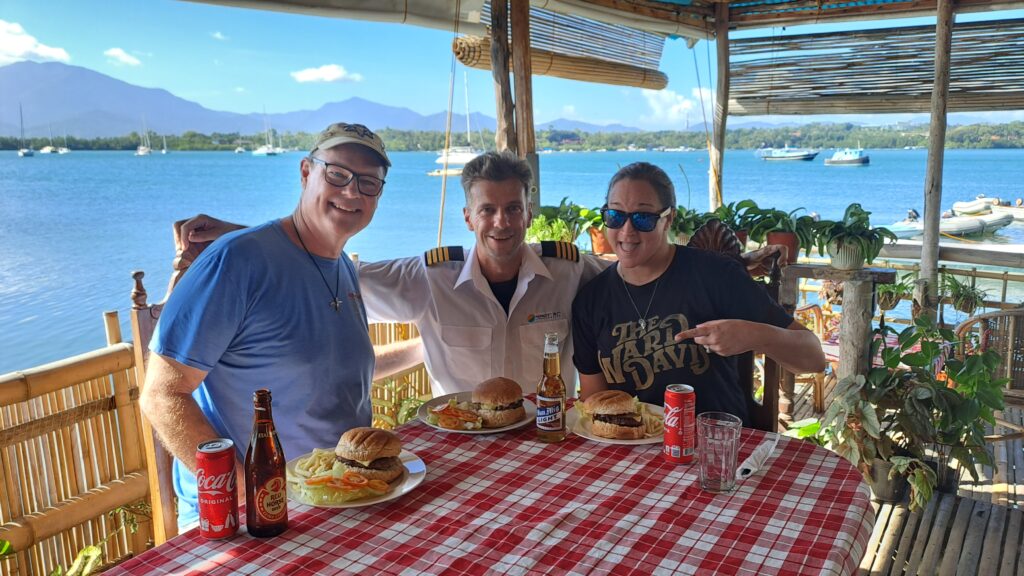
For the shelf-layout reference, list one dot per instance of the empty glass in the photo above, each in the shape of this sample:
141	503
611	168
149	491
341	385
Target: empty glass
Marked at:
718	440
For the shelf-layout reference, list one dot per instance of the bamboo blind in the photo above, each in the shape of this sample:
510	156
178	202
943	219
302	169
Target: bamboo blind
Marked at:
889	70
475	51
387	394
69	453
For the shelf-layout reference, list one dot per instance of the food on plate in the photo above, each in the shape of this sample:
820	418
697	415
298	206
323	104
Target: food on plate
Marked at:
615	414
499	402
654	424
361	466
455	415
371	452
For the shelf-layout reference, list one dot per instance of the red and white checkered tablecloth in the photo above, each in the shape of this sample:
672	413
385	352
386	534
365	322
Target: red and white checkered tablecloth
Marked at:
507	504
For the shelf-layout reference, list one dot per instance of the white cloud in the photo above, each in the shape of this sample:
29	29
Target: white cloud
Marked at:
17	45
218	36
568	111
119	57
669	110
239	89
326	73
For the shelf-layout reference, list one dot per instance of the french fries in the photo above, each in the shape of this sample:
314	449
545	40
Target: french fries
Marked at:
319	462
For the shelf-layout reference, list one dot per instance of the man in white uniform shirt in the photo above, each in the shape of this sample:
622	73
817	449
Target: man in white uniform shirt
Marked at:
482	312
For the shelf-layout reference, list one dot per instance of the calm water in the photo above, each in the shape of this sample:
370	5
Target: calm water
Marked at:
73	227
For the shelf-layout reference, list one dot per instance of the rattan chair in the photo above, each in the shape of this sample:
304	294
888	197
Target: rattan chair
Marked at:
70	457
1003	332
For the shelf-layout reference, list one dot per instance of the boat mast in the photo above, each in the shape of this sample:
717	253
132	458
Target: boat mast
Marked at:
469	139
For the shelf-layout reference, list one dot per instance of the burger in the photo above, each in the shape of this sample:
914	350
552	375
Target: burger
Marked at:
371	452
499	402
614	414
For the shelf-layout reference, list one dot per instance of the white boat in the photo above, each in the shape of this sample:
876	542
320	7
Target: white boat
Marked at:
786	153
23	152
973	207
456	156
240	150
268	148
64	149
848	157
1016	211
50	149
164	149
955	226
144	148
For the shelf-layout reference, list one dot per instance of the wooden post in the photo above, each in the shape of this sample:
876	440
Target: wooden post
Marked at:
505	135
522	70
926	291
721	106
855	328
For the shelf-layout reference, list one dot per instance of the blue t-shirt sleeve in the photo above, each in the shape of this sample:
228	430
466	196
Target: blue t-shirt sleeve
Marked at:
204	312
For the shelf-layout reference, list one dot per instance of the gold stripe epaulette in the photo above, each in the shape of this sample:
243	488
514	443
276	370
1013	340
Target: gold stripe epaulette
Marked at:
443	254
557	249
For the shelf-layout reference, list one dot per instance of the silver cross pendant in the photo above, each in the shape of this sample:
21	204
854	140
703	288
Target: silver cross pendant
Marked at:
336	305
643	325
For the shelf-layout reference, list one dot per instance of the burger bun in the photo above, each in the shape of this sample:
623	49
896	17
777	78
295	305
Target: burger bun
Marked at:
492	399
372	452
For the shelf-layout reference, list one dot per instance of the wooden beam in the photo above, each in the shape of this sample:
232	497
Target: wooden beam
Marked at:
522	71
927	286
717	153
505	135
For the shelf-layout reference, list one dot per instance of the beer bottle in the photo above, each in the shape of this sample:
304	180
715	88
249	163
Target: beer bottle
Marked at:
266	497
551	395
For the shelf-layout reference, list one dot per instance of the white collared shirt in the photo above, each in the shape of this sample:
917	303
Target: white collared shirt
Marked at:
467	335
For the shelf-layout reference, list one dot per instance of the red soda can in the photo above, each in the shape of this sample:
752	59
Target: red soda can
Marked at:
680	429
218	496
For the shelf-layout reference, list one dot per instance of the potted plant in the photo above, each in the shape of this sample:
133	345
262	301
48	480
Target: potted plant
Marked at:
772	226
851	241
889	295
685	223
964	296
887	421
598	243
735	216
563	222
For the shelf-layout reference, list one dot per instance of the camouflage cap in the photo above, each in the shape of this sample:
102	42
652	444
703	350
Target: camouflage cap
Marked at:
342	133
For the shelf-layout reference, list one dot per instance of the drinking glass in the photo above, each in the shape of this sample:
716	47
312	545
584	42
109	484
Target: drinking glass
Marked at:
718	440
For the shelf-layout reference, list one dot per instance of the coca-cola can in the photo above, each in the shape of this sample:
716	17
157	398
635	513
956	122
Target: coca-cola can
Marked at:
218	496
680	429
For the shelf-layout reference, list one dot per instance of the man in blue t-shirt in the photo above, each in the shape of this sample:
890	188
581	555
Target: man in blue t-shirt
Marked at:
257	310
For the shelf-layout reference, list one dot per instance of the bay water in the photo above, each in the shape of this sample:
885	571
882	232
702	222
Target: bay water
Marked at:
73	227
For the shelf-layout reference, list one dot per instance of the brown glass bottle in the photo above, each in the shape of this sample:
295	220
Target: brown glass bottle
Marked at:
551	394
266	497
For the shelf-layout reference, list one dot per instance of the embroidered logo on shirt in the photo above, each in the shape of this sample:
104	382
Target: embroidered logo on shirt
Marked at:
639	355
543	317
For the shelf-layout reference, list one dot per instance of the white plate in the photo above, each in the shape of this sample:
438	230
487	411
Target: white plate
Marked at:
424	412
581	427
413	475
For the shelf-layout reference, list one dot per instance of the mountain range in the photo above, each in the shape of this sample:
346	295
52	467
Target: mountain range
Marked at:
87	104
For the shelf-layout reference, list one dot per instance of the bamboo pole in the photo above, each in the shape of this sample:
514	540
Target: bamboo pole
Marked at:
505	135
721	106
926	291
522	70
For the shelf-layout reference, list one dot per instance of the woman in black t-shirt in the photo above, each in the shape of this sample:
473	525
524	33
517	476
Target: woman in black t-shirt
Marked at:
667	314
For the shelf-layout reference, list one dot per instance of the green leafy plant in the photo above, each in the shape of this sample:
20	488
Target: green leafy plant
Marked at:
963	295
855	228
569	215
765	220
543	228
915	400
686	221
889	295
807	429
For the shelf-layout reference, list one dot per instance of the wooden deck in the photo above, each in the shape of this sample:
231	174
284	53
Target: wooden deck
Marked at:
978	530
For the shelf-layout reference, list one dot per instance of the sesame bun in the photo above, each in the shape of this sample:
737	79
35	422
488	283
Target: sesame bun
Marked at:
499	402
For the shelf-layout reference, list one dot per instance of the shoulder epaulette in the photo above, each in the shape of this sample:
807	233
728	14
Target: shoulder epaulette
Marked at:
443	254
557	249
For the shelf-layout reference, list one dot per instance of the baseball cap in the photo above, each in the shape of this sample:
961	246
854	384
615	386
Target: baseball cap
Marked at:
344	133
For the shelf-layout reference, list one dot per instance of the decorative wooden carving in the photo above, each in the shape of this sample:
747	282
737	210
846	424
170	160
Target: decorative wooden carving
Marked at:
138	292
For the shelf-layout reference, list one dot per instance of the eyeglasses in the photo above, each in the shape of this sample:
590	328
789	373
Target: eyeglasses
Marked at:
340	176
642	221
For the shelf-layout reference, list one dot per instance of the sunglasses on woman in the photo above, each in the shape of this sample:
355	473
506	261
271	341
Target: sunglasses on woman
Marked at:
642	221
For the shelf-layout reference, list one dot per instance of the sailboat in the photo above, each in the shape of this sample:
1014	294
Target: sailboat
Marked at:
23	151
164	149
64	149
50	149
454	157
145	148
268	148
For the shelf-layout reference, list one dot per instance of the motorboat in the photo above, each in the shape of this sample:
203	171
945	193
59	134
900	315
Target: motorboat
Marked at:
848	157
787	153
974	207
1016	211
955	225
240	150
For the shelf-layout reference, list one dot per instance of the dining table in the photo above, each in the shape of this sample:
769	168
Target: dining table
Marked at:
506	503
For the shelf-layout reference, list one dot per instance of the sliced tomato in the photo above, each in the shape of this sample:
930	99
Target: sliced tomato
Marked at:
319	480
353	478
449	422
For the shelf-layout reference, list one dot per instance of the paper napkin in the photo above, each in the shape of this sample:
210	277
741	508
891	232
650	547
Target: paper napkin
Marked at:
757	458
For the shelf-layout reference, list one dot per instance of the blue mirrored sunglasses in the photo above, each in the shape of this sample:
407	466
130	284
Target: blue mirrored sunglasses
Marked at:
642	221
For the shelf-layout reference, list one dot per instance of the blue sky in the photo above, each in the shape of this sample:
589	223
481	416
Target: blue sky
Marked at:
247	60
